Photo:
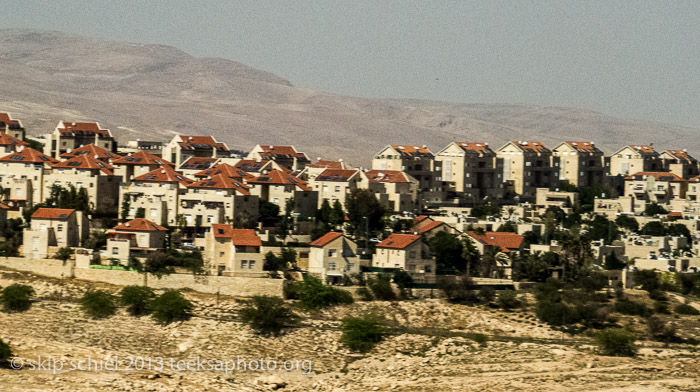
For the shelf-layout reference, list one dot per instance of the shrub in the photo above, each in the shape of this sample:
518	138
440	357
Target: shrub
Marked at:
5	352
592	315
487	294
661	307
268	315
658	295
459	292
616	342
507	299
686	310
362	333
137	299
98	304
315	295
381	288
365	294
480	338
548	291
660	331
170	306
557	313
16	297
290	291
631	308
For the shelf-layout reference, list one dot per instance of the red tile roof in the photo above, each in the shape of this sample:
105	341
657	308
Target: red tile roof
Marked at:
505	241
220	181
398	241
420	218
323	164
386	176
226	170
198	163
675	213
325	239
336	175
164	174
201	143
139	224
584	146
278	177
4	206
7	140
6	119
68	129
91	150
478	148
430	226
85	162
532	146
274	152
659	176
682	155
412	151
644	149
251	165
239	237
52	213
141	158
28	155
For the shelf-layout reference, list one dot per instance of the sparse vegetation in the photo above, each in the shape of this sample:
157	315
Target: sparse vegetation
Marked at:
268	315
171	306
686	309
98	304
315	295
507	299
137	299
362	333
5	352
381	288
616	342
16	297
631	308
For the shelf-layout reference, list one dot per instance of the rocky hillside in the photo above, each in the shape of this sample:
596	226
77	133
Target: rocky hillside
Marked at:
152	91
436	352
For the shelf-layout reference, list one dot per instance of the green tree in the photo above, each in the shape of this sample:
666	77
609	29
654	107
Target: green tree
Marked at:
338	214
362	333
613	263
471	256
679	230
286	223
98	304
158	263
16	297
602	228
653	209
654	228
272	262
315	295
536	268
64	254
268	315
137	299
627	222
126	205
447	250
140	213
508	227
362	204
171	306
616	342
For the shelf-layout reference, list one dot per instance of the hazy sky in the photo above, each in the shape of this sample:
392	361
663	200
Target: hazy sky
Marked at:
634	59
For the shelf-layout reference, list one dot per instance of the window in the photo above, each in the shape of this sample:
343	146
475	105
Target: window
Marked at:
349	266
221	254
427	269
115	250
142	237
331	266
244	264
251	264
60	228
337	188
412	254
332	252
210	218
412	267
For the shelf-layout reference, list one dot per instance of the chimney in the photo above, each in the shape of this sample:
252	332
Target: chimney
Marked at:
127	224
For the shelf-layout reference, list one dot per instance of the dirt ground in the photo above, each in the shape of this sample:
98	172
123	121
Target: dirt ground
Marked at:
436	352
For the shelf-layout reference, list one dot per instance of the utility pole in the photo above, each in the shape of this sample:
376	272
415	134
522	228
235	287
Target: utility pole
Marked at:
366	234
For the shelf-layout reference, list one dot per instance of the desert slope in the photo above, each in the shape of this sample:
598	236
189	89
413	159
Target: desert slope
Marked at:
153	91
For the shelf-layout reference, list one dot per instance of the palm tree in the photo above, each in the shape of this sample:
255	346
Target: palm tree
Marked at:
470	254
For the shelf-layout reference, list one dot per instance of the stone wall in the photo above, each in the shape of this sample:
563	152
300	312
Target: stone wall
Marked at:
234	286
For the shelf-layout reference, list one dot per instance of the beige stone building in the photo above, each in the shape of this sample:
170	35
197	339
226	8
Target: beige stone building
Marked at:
471	170
277	187
234	252
86	172
53	228
332	257
633	159
680	163
580	163
137	238
157	192
92	151
69	136
396	190
10	144
546	198
194	165
419	163
23	173
611	208
509	245
407	252
335	184
137	164
528	166
182	147
286	156
312	170
658	187
11	127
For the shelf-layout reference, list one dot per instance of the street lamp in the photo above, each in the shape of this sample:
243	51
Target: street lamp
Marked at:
366	234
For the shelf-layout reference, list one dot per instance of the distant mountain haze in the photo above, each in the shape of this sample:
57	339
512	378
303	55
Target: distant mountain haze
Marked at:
154	91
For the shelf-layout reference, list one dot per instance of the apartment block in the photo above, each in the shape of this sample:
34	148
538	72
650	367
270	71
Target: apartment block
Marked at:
69	136
396	190
471	169
286	156
12	127
633	159
680	163
182	147
234	252
528	166
580	163
86	172
332	257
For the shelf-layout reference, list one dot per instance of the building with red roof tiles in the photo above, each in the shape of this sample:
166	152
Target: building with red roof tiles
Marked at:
86	172
633	159
137	164
528	166
471	169
396	190
580	163
11	126
430	228
157	193
680	163
332	257
419	163
256	168
312	170
278	187
53	228
657	187
227	170
69	136
335	184
10	144
93	151
408	252
193	165
286	156
505	244
234	252
22	172
137	238
221	182
182	147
